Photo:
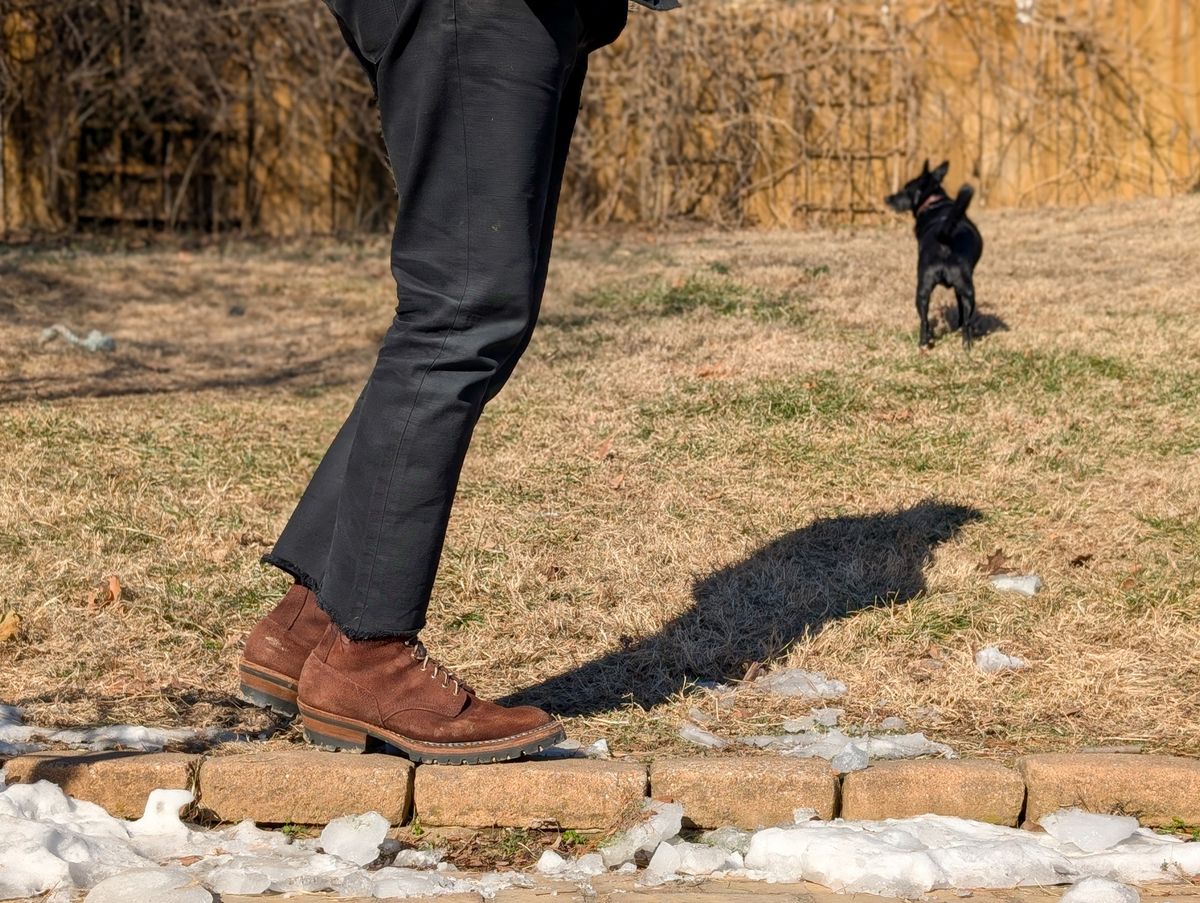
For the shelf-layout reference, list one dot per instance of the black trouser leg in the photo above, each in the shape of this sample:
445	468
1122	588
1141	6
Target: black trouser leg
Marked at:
477	100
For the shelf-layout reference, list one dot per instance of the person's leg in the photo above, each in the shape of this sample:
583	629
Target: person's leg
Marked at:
302	549
472	95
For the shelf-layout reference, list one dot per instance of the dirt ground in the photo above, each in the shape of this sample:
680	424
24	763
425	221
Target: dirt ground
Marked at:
721	449
609	889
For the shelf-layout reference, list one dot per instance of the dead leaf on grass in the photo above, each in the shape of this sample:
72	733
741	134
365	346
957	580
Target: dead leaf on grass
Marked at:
109	595
619	482
714	370
997	563
603	450
1080	560
10	623
1131	581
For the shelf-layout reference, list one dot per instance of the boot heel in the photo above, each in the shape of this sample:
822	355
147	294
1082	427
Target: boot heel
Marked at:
332	734
267	691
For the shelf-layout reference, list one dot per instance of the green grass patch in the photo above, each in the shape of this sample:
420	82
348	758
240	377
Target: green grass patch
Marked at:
713	293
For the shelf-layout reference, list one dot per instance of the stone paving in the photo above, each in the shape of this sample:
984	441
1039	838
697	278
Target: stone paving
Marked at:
312	787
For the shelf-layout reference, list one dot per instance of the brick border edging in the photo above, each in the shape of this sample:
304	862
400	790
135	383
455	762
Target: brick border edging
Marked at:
307	786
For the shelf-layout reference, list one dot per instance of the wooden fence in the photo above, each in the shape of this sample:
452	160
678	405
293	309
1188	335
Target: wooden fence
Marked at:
729	112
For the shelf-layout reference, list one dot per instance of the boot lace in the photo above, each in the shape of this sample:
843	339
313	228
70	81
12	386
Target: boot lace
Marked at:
435	668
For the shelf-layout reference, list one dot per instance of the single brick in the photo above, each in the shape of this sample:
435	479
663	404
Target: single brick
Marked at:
983	791
570	793
118	781
746	793
1158	790
305	787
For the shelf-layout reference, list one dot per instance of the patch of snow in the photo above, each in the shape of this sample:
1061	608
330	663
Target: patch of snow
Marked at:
160	818
990	660
1089	832
355	838
892	723
827	717
662	821
159	885
910	857
799	725
123	736
847	753
798	682
52	844
94	341
1025	584
1100	890
698	735
573	749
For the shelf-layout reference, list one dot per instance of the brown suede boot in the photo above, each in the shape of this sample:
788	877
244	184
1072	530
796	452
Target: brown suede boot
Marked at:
276	650
359	693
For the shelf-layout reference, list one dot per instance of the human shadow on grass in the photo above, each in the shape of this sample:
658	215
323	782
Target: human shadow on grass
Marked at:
754	610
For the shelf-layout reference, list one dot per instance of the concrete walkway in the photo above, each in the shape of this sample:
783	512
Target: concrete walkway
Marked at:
618	889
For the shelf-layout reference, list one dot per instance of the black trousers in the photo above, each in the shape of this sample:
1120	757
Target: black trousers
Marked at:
478	99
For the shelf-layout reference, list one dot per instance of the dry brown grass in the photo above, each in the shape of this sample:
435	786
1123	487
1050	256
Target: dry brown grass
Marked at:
721	448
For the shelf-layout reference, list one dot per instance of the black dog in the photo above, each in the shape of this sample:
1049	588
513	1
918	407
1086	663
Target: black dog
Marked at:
948	245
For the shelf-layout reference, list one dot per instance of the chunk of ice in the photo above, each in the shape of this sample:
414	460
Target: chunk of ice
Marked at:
701	737
905	857
664	822
892	723
161	814
355	838
550	863
797	682
419	859
701	859
1100	890
598	750
1089	832
663	865
1025	584
853	757
159	885
236	878
573	749
734	840
990	660
828	717
799	725
392	883
587	866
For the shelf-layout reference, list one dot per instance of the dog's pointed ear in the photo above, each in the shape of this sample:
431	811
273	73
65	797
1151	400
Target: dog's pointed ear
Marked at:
925	168
940	172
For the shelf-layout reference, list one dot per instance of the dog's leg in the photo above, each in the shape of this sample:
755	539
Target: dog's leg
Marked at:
966	312
924	291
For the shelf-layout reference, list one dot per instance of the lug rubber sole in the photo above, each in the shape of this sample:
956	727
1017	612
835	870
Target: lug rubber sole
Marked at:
268	689
335	732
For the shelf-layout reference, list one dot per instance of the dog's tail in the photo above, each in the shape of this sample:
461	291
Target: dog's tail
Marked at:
957	212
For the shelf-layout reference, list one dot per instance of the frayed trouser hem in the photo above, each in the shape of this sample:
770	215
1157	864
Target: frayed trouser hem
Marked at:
309	583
